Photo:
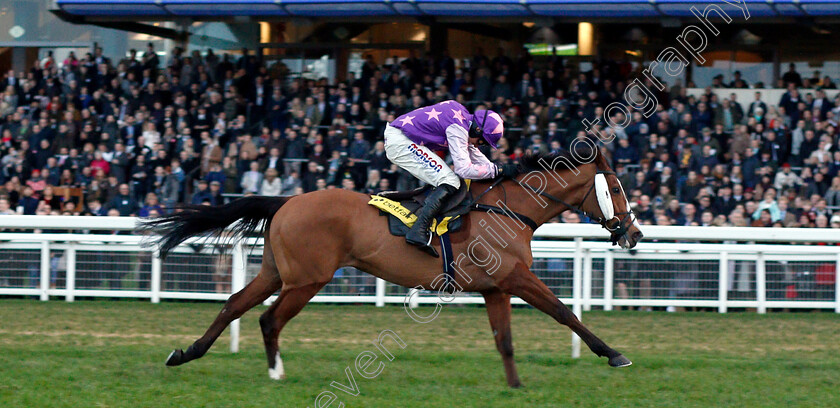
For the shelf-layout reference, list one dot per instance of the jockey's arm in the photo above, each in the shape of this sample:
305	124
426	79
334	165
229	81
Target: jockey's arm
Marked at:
469	162
478	157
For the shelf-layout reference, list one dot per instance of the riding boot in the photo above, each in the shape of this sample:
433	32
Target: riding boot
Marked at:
419	234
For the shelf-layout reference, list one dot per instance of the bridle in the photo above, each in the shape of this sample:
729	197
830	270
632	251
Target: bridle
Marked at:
616	232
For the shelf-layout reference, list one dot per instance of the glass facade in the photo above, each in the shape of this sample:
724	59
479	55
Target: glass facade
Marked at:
31	21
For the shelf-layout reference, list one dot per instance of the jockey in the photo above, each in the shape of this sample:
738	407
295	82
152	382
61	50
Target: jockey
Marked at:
412	139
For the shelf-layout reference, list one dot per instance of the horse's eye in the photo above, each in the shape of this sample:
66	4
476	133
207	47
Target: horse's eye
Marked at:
615	190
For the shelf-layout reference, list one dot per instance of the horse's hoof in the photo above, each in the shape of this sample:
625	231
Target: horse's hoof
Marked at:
620	361
175	358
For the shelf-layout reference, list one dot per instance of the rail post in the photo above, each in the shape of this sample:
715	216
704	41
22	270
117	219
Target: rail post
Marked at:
45	270
70	277
761	283
837	284
154	285
723	278
587	280
380	292
237	282
608	279
576	293
413	301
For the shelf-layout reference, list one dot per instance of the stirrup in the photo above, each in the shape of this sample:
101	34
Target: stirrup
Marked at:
426	247
429	250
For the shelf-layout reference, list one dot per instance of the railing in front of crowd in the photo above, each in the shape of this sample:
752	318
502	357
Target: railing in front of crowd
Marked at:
718	268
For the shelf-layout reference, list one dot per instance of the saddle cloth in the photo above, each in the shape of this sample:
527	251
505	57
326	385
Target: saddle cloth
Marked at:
400	207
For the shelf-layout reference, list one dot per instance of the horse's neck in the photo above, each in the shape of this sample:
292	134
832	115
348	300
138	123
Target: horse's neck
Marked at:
513	196
538	208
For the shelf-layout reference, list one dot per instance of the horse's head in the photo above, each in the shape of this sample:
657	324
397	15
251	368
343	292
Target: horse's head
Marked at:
611	202
596	192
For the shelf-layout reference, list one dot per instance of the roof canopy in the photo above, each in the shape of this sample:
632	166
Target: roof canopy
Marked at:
589	9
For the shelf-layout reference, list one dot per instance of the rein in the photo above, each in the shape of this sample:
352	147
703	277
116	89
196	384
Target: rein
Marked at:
501	211
574	208
616	231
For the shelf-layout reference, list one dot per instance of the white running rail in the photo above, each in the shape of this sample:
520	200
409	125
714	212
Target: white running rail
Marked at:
674	267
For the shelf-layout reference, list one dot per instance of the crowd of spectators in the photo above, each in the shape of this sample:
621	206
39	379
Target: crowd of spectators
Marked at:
138	135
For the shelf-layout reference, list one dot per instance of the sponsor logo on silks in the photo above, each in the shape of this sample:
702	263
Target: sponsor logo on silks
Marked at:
424	157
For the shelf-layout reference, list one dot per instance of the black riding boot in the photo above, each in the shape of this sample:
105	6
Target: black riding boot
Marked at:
419	234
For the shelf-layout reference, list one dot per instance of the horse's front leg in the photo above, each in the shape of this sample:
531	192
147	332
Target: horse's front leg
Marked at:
525	284
498	310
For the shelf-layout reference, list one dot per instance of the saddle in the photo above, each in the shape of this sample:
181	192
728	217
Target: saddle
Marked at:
401	208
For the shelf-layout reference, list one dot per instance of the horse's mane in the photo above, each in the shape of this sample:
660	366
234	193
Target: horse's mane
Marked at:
531	162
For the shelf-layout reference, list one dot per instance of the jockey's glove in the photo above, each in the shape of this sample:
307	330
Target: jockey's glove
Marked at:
507	170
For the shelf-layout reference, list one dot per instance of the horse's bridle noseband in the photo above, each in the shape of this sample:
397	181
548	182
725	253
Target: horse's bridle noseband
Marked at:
615	232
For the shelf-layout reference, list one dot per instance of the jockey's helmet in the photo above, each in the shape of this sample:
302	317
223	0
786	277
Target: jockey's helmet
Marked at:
487	125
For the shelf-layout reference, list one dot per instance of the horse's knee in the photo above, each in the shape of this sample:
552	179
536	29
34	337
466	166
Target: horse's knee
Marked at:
233	305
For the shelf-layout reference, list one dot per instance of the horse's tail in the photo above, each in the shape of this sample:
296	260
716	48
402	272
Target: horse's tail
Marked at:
191	220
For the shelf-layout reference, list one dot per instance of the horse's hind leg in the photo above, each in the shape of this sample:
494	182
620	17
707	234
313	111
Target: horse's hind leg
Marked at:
258	290
525	284
288	304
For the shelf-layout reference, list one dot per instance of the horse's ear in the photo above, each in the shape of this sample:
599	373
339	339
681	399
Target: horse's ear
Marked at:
601	159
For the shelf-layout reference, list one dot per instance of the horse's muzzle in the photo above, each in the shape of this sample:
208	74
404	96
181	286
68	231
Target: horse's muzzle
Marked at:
630	239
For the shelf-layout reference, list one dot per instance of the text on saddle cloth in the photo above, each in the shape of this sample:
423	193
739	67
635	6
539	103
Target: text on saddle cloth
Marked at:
407	217
402	206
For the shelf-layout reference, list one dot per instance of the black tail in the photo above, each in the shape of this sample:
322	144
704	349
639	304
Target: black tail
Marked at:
192	220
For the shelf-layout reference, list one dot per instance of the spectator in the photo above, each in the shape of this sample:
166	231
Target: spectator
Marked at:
792	77
372	185
271	185
786	217
786	178
48	197
768	204
5	207
763	219
252	179
36	182
165	131
832	195
27	204
215	174
99	163
291	183
95	208
166	187
821	221
201	194
150	205
123	203
216	197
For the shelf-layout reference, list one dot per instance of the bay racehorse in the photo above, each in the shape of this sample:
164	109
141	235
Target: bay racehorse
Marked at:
309	236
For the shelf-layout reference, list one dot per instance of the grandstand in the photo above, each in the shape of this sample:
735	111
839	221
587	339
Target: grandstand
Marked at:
720	114
303	108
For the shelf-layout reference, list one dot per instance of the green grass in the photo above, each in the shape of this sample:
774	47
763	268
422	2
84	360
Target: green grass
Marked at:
110	354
